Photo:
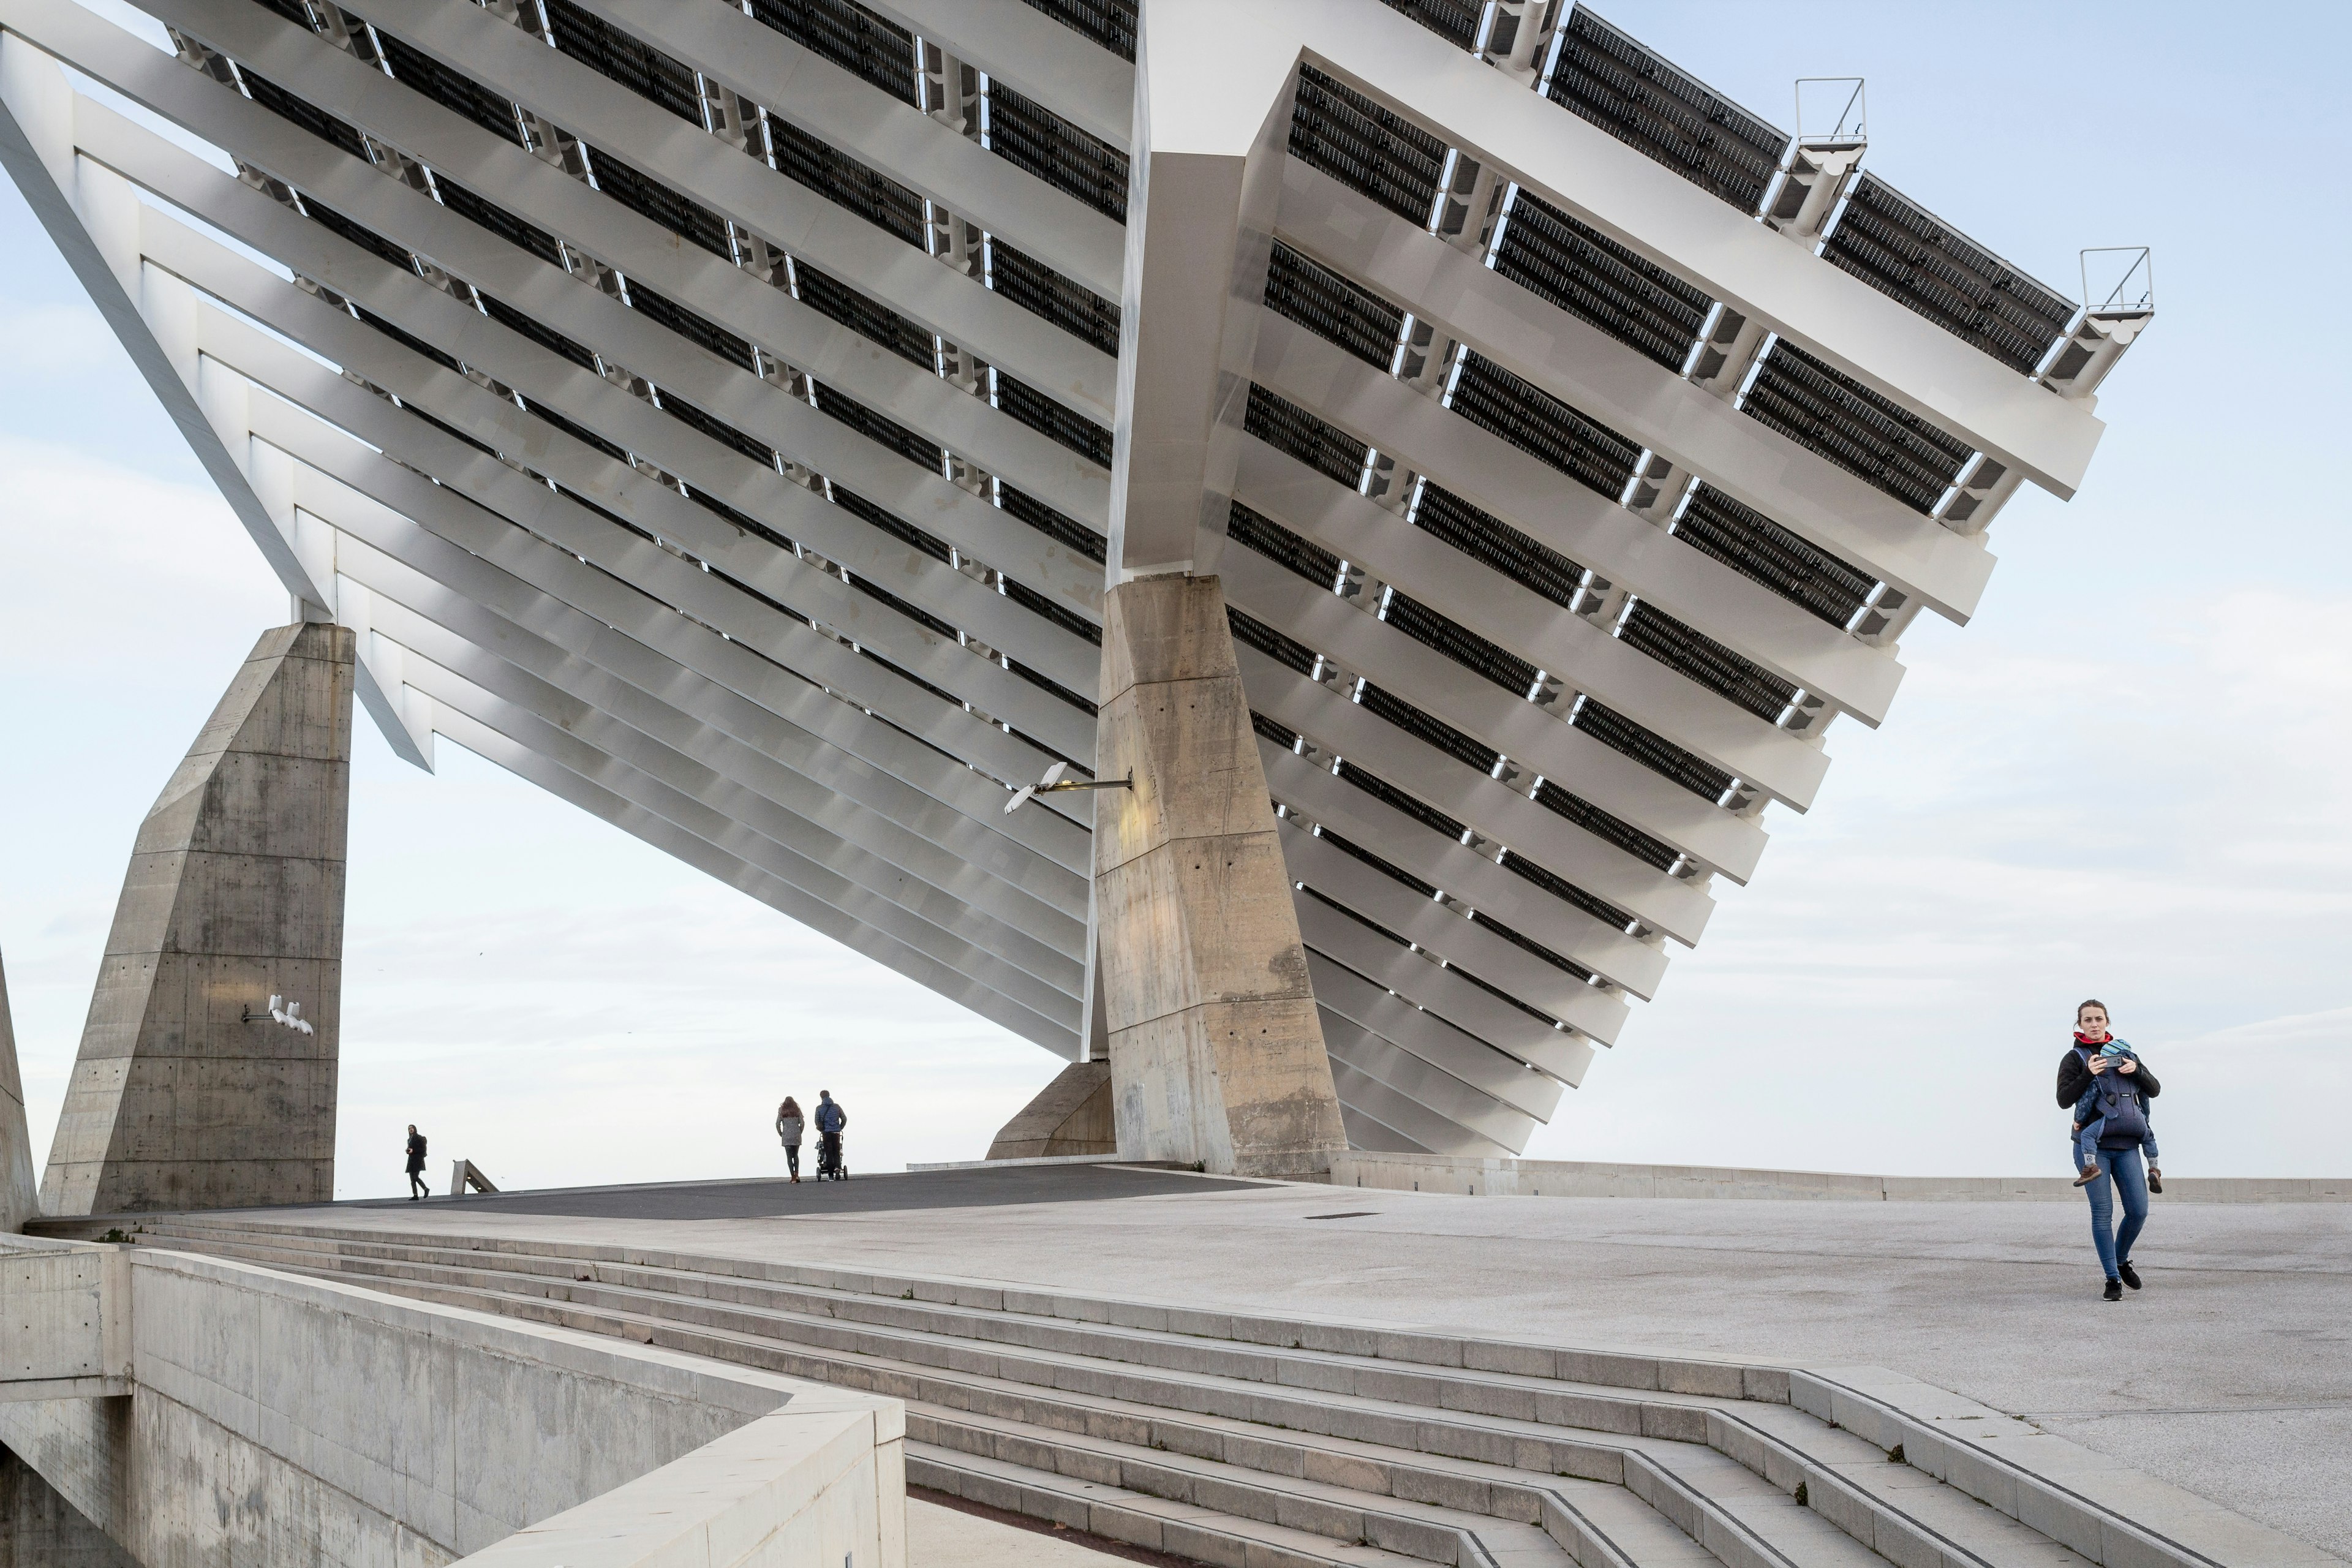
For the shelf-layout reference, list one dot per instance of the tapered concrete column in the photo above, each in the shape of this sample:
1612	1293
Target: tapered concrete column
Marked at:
19	1200
1216	1051
186	1093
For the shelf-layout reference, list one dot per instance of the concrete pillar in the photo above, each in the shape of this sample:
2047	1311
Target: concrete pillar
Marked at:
186	1093
1217	1054
19	1199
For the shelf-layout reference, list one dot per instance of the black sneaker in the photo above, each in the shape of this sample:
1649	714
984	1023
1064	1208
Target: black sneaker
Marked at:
2155	1180
2131	1275
2115	1291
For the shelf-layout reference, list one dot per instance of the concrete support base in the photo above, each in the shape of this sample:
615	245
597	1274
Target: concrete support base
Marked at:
19	1199
1071	1115
186	1093
1217	1054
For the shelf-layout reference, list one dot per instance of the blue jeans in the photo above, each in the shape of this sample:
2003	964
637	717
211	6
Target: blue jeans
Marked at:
2122	1168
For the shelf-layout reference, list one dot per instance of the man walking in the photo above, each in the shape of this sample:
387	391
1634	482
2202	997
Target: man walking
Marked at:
416	1187
830	1120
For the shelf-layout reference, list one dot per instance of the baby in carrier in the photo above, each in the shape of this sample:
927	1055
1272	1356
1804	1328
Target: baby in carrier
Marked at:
2111	1102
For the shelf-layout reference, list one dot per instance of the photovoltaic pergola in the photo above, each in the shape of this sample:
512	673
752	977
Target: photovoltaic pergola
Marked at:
729	416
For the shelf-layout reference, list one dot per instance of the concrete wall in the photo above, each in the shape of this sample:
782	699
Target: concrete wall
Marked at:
1585	1179
1216	1053
235	893
39	1529
64	1325
276	1421
19	1199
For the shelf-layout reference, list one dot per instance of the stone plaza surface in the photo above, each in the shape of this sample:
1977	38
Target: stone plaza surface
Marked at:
2236	1380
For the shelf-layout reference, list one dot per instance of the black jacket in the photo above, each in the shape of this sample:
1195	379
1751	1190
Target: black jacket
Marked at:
2075	1077
416	1152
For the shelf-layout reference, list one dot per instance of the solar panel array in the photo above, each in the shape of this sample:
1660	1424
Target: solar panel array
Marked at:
711	459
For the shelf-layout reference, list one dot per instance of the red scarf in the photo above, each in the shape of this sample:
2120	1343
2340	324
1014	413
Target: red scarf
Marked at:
2089	1044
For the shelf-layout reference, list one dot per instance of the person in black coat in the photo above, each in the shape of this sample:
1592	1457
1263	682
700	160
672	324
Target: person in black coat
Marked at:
2123	1173
416	1187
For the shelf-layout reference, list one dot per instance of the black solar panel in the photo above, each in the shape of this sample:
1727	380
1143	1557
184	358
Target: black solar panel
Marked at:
1069	531
1608	79
515	321
891	523
1286	651
1529	945
843	181
1332	308
366	238
576	431
1063	426
634	64
1279	545
1705	661
879	428
1428	728
1460	644
1279	735
1587	274
674	210
849	35
1387	795
869	319
695	329
1491	541
1566	891
1110	23
1543	426
310	117
1036	603
1282	424
1763	552
499	221
717	429
1041	291
1364	146
1826	412
1908	254
1654	752
1594	820
1028	135
1455	21
451	89
1426	889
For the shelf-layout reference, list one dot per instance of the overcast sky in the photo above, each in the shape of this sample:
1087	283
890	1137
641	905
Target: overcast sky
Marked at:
2131	778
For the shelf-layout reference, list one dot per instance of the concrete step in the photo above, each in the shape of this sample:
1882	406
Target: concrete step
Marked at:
1722	1470
1182	1530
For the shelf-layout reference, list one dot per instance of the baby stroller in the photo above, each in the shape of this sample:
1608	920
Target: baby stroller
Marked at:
830	1166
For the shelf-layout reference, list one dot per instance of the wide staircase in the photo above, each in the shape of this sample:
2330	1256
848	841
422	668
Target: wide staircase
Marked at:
1250	1441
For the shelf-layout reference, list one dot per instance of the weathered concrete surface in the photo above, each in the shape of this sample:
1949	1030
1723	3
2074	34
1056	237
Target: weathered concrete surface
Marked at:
2238	1385
65	1319
278	1422
1479	1176
1071	1115
797	1486
20	1200
39	1529
235	894
1216	1054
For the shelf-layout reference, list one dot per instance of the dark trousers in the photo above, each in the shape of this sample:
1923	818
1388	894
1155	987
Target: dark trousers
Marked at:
831	1155
416	1187
792	1159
